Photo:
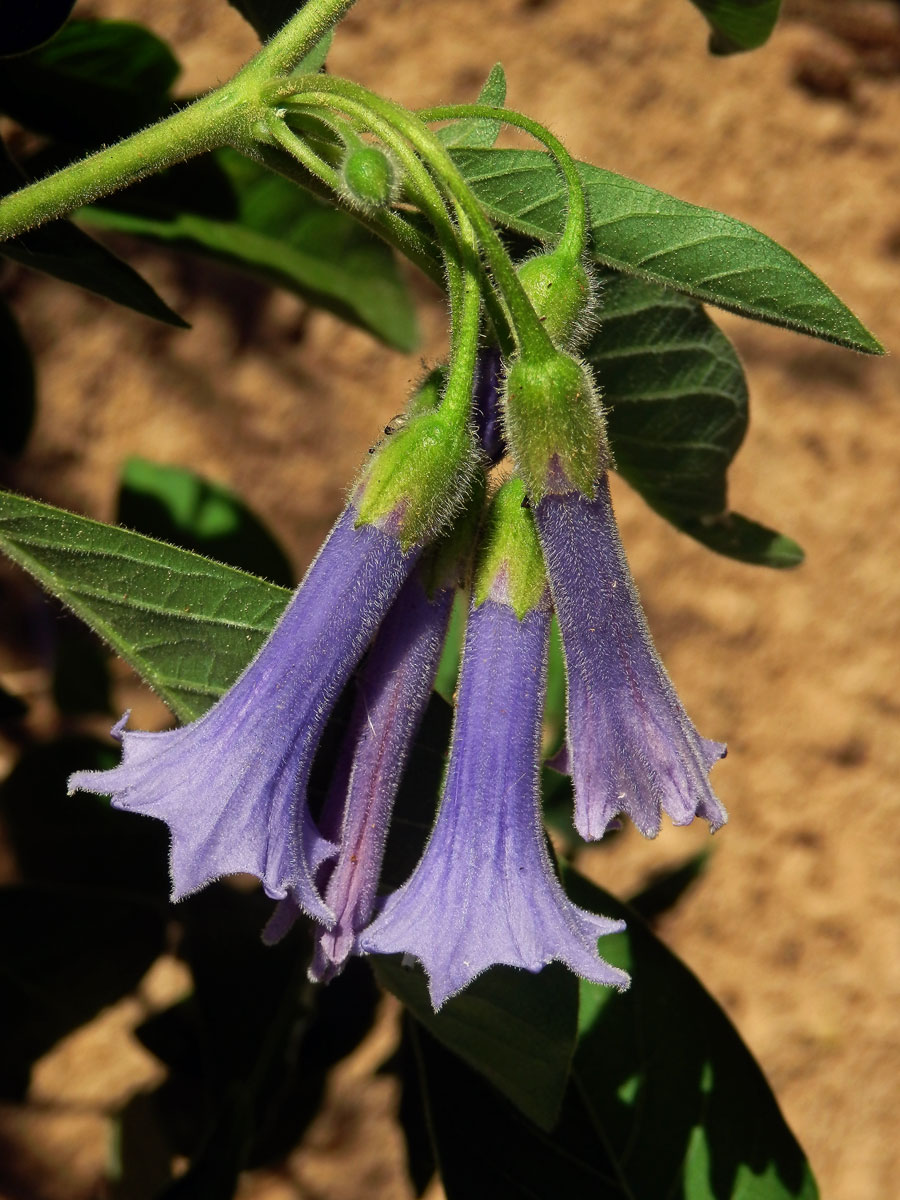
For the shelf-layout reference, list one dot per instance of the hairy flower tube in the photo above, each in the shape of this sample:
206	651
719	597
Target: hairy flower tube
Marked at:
485	891
231	785
393	690
631	746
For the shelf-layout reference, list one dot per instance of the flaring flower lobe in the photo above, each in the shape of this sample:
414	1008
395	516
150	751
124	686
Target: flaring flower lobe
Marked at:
485	891
231	785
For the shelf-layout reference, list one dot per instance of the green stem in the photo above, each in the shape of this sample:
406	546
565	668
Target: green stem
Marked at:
465	332
227	116
296	38
391	226
426	192
574	235
533	340
204	125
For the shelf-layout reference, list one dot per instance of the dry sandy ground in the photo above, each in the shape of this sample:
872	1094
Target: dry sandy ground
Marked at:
795	925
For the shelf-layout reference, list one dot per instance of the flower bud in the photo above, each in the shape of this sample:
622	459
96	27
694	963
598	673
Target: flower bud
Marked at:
554	425
563	293
510	568
368	177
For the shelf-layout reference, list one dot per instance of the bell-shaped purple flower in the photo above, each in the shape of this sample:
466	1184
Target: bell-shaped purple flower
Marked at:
485	891
631	746
231	785
393	690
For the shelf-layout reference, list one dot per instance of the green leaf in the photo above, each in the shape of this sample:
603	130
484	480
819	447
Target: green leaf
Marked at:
677	412
17	374
290	239
738	24
676	395
664	1099
94	82
187	625
739	537
176	505
68	253
315	60
267	16
29	24
451	655
666	886
477	131
514	1028
669	1086
647	233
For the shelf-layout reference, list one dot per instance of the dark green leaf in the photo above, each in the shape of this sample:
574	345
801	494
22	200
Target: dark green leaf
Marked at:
64	955
555	703
643	232
188	625
514	1028
448	667
741	538
676	393
290	239
68	253
17	375
738	24
24	24
664	888
677	410
669	1087
267	16
477	131
176	505
664	1099
95	82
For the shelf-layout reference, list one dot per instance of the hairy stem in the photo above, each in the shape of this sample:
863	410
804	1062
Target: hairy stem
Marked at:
530	334
574	235
227	116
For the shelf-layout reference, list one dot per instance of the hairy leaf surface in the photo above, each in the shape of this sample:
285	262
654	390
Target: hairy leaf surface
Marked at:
647	233
188	625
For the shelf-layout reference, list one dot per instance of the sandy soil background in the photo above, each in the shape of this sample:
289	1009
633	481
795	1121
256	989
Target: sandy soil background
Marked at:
794	927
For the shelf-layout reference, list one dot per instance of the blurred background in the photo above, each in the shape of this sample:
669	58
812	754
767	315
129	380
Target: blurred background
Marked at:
793	925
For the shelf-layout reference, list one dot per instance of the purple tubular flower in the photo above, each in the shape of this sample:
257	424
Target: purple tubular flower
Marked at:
393	691
632	748
485	891
231	785
486	404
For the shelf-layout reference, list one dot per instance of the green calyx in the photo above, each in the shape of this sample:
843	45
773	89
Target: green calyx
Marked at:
562	292
418	478
510	567
554	425
368	177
